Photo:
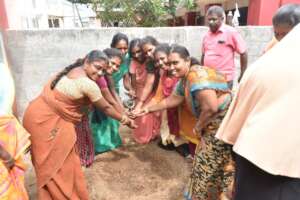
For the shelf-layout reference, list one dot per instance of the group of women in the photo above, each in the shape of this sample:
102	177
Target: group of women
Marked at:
79	111
82	101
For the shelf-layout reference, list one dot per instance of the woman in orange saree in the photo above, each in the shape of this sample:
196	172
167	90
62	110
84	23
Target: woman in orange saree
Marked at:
13	142
50	119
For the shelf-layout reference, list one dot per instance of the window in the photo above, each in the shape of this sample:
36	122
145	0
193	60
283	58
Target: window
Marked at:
53	22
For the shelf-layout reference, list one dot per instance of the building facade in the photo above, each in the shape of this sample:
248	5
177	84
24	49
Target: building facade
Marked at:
44	14
251	12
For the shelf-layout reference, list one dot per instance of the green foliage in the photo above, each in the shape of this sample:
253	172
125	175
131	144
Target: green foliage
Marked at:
144	13
190	4
131	12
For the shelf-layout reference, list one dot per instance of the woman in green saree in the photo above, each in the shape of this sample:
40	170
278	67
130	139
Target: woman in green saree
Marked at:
105	130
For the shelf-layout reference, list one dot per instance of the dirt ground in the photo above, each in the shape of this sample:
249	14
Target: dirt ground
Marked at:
133	172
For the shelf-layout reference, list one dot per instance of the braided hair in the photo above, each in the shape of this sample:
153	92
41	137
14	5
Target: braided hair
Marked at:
90	57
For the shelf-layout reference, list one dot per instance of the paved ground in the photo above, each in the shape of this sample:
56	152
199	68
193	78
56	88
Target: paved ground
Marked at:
133	172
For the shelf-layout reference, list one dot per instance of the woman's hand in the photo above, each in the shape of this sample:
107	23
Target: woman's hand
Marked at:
8	161
131	93
138	106
198	130
129	122
129	114
140	112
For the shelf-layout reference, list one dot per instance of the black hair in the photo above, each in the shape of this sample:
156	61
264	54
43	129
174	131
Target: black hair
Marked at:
218	10
181	50
150	40
90	57
287	14
117	38
133	43
183	53
113	52
163	47
194	61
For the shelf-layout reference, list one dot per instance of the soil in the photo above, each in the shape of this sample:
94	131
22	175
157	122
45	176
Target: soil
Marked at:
133	172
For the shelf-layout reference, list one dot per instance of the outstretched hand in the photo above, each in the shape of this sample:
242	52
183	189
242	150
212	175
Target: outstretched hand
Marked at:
197	130
139	112
8	161
131	93
130	123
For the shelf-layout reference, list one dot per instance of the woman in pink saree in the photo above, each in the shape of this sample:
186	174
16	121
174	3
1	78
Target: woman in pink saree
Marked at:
148	125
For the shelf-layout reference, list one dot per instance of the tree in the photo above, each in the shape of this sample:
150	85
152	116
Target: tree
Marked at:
144	13
131	12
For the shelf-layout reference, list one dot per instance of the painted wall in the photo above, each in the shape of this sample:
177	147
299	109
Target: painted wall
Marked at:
260	12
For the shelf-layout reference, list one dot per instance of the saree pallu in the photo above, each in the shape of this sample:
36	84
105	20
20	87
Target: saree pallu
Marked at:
84	143
50	119
14	139
187	122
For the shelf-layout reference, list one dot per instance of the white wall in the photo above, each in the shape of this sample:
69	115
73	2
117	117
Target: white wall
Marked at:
36	55
34	14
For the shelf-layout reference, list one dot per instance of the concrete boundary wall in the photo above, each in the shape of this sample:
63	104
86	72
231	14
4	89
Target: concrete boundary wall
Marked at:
35	55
